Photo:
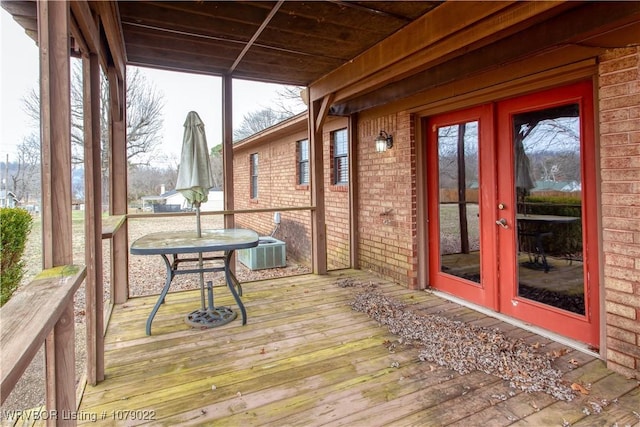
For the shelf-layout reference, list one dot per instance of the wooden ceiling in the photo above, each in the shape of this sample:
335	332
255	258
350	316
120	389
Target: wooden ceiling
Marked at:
354	50
289	42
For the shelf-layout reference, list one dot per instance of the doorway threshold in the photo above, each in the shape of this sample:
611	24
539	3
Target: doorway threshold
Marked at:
576	345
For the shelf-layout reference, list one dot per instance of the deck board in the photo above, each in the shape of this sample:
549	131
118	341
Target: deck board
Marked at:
306	358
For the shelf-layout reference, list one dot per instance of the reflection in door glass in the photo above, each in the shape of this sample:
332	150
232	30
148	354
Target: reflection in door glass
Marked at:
458	189
549	215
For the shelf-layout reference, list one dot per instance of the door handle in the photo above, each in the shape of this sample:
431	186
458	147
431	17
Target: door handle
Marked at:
502	223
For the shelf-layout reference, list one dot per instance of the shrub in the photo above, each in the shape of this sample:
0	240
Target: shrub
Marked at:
15	225
567	238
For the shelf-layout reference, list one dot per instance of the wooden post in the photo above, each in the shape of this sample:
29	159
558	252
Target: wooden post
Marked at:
421	250
354	194
317	112
227	148
227	157
118	186
55	113
94	293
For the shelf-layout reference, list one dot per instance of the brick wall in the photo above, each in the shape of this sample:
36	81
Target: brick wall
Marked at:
387	202
336	201
619	109
277	187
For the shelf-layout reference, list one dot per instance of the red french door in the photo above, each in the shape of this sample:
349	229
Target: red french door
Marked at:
461	185
512	209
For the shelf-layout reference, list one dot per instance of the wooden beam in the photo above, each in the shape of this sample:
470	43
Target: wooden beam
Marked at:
503	81
570	31
227	148
354	193
448	31
110	18
442	21
55	113
318	226
227	157
57	249
118	205
83	17
422	236
324	110
79	44
255	36
551	42
94	293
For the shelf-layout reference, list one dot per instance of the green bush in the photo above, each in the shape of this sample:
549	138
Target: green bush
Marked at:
567	238
15	225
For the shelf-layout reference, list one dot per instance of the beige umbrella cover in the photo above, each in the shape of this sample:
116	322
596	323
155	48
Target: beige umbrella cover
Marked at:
194	181
194	174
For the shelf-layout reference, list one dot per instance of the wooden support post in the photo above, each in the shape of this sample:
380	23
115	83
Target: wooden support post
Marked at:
227	158
354	194
227	149
118	187
55	112
94	293
421	251
318	231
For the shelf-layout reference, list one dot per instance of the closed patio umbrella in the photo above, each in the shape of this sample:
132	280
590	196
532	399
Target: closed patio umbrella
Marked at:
194	173
194	181
524	179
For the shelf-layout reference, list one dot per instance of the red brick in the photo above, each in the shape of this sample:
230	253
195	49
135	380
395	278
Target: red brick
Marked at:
621	334
621	359
621	310
623	370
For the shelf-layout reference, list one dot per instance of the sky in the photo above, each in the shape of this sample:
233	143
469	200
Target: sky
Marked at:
182	92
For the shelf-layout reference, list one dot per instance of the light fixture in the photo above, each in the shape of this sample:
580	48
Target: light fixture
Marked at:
384	141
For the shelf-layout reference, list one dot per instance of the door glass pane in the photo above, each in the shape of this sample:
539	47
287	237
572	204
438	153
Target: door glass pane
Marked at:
459	212
548	187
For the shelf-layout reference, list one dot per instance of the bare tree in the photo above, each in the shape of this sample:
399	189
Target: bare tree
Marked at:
144	116
26	178
291	100
145	180
288	103
256	121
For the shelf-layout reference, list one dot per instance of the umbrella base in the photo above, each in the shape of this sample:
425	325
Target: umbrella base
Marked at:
210	318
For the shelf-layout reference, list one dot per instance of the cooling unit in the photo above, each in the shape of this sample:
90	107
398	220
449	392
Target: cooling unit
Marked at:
269	253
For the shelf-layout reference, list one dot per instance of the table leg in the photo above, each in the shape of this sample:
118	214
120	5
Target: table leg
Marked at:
232	282
162	295
540	249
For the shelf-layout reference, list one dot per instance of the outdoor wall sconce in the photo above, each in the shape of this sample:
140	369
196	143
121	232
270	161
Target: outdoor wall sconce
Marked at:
384	141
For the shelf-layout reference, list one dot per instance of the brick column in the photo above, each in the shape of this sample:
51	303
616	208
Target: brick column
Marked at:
619	109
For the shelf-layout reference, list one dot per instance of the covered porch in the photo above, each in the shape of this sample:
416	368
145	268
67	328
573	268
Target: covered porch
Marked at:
306	357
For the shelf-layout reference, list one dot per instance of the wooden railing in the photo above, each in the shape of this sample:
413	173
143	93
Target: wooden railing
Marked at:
43	306
29	317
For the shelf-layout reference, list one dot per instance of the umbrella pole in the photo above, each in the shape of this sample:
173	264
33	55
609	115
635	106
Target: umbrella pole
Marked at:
200	263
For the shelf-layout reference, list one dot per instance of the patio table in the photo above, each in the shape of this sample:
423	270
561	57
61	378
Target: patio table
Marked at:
539	229
177	243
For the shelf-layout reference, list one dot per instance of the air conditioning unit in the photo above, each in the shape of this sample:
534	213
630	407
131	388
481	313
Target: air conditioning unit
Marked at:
270	253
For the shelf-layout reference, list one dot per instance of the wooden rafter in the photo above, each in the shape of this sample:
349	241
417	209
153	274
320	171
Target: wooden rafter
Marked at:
256	35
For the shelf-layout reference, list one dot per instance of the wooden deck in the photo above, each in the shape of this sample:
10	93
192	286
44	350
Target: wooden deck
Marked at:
306	358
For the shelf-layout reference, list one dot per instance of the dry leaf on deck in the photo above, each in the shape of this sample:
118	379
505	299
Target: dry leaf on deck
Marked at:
580	388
